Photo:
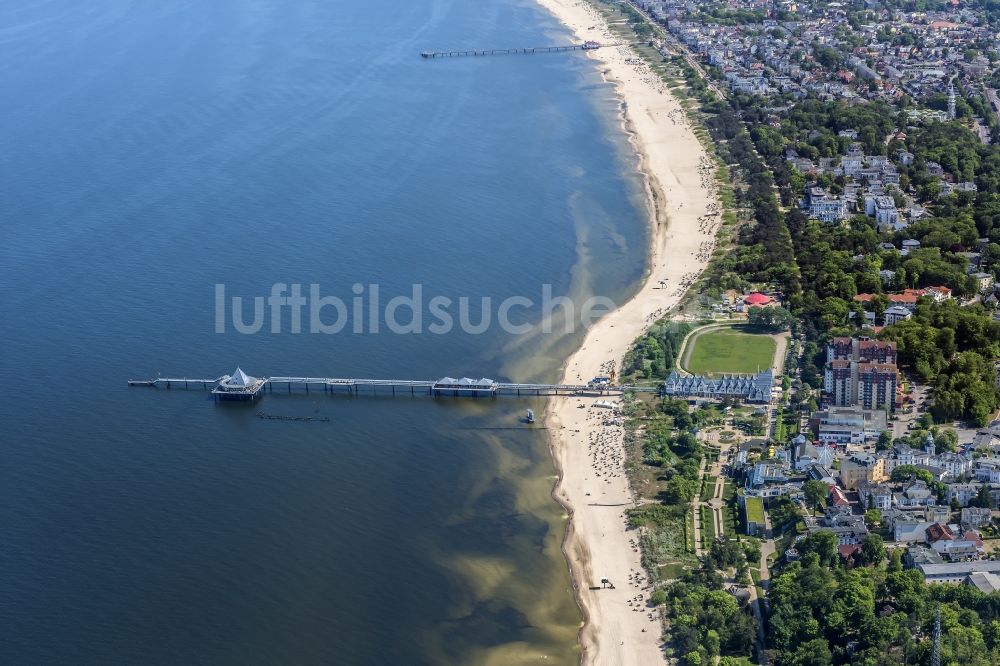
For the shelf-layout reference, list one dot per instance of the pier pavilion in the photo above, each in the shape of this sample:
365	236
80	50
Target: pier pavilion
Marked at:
465	387
238	386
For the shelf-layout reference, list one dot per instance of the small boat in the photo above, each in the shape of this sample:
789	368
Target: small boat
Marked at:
530	418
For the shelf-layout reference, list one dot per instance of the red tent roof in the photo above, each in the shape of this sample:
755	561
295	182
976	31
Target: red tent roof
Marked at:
757	298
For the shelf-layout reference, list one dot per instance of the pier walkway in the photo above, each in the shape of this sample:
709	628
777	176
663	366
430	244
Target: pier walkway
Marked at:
240	386
586	46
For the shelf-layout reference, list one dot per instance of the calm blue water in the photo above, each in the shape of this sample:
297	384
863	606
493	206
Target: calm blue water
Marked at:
149	151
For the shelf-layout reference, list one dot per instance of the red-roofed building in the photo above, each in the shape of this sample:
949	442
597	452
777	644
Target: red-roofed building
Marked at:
908	297
939	294
974	537
837	497
758	299
939	532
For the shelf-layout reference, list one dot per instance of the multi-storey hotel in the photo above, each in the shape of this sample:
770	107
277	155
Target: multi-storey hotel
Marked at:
861	372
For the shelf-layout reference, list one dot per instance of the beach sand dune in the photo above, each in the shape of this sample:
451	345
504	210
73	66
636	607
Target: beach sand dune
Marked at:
619	628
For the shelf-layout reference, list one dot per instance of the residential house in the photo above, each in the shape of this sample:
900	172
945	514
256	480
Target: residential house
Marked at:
826	207
896	314
963	493
875	496
976	517
916	493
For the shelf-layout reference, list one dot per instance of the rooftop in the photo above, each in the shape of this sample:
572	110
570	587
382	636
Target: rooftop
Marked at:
957	568
754	508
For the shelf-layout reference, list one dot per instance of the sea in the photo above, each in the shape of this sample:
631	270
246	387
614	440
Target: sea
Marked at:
158	160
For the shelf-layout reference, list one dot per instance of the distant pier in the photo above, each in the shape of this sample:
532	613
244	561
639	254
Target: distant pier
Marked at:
240	386
586	46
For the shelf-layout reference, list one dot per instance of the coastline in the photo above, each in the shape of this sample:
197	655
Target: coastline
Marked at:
589	457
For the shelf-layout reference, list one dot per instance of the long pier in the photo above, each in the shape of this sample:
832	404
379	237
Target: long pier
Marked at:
222	387
586	46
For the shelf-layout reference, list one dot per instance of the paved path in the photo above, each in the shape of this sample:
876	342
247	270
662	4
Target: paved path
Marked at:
717	504
757	614
767	548
780	351
696	512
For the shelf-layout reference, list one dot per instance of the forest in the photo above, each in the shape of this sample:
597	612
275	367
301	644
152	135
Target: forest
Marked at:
875	615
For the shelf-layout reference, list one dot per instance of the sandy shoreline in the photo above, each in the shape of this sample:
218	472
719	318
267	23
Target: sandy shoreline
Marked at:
592	485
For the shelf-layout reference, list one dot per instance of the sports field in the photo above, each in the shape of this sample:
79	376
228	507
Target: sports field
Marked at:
729	351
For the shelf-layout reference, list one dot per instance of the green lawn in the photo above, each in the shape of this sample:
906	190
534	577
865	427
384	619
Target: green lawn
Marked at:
730	351
707	488
754	510
707	527
673	570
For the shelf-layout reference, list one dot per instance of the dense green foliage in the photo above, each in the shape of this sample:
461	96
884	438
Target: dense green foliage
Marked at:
764	250
654	354
770	319
706	621
877	616
931	342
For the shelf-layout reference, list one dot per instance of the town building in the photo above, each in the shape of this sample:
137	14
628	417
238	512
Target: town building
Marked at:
861	349
869	385
962	493
886	214
956	572
916	493
896	314
976	518
848	425
987	583
860	468
748	388
826	207
861	372
874	496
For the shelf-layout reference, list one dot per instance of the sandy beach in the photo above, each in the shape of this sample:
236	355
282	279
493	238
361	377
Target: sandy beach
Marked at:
619	628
